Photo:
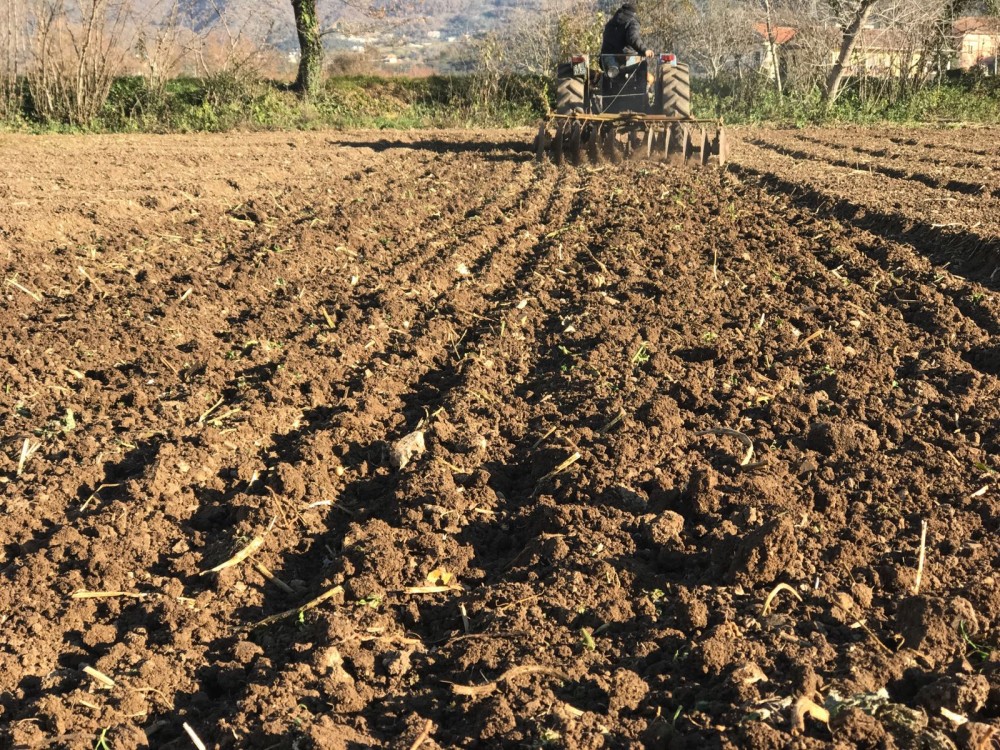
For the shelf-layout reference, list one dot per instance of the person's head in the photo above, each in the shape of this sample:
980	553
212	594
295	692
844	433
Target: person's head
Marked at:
627	8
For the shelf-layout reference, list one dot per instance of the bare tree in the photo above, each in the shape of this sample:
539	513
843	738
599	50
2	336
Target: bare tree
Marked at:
859	16
892	45
78	47
807	54
235	41
309	78
11	57
532	41
310	32
159	46
717	36
920	32
772	46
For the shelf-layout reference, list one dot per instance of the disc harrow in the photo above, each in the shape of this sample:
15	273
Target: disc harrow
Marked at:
579	138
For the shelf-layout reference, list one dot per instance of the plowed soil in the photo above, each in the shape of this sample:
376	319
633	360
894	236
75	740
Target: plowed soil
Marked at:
211	347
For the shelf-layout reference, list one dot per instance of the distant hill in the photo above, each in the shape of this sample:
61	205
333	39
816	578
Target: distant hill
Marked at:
407	32
400	35
407	17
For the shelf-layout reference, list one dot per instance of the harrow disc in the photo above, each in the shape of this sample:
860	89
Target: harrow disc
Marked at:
722	146
703	147
558	143
541	141
594	144
635	147
670	143
575	142
583	139
612	151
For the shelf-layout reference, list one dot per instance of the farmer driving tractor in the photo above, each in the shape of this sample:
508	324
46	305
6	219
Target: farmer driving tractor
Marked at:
621	37
622	46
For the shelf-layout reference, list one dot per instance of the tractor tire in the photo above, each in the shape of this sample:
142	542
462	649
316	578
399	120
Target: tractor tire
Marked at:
673	92
569	96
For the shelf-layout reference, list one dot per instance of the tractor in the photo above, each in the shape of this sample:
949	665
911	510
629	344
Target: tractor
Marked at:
627	107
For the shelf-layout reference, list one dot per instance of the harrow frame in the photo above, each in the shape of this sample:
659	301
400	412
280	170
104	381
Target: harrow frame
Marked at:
631	135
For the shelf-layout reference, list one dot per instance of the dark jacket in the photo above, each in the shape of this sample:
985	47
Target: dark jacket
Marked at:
621	34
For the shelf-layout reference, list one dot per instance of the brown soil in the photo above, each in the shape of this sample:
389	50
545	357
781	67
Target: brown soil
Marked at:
211	343
960	200
888	153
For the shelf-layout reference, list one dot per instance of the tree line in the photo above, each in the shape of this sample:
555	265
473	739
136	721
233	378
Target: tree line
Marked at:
65	55
885	49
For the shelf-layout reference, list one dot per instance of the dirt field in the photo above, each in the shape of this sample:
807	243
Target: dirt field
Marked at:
211	345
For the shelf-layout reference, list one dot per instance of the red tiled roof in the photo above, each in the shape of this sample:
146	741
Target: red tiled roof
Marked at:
976	25
891	40
779	34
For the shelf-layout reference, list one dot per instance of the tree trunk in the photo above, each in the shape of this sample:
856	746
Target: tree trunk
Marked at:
772	43
308	81
836	76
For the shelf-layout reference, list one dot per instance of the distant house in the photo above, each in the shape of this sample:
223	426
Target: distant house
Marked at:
881	52
771	46
976	42
877	52
779	34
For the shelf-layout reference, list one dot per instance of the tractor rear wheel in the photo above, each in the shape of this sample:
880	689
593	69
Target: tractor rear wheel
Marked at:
569	96
673	91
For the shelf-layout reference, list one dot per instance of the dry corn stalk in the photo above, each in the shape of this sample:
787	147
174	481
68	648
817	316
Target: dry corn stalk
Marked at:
312	603
805	707
774	593
747	456
255	544
100	677
477	691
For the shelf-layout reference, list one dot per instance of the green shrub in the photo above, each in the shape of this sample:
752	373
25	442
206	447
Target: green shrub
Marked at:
754	100
226	102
